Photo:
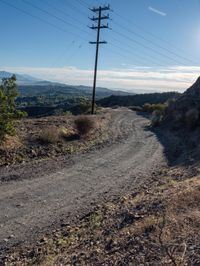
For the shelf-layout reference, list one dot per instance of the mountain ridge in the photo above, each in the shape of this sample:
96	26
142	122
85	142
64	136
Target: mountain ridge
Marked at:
29	85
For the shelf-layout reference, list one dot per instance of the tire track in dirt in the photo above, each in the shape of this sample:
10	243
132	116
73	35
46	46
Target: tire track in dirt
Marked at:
30	206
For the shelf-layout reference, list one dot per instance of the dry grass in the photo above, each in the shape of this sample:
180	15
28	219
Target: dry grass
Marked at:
160	226
67	132
10	143
179	229
45	137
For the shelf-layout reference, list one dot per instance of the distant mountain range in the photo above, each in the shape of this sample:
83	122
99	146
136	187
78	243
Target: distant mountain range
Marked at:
31	86
21	79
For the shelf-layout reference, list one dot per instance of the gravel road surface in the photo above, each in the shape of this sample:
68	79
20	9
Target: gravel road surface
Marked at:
38	196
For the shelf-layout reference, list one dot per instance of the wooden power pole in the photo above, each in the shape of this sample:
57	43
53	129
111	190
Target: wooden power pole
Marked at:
98	27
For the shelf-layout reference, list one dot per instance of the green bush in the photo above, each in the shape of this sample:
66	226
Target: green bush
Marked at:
156	118
147	107
84	124
8	110
85	107
154	107
136	108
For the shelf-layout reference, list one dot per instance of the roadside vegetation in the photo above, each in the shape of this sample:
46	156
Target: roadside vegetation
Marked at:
157	112
27	139
8	111
48	137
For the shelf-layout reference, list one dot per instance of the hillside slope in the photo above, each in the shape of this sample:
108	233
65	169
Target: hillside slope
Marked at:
179	110
137	100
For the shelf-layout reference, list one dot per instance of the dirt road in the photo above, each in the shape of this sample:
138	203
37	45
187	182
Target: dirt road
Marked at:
36	197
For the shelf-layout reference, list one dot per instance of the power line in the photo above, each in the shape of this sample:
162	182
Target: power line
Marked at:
52	15
146	47
36	17
42	20
121	48
75	52
61	29
144	59
119	54
61	11
53	25
149	33
99	10
80	2
75	8
63	53
152	42
45	22
139	56
156	45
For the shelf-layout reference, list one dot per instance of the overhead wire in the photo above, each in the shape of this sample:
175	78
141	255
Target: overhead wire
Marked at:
56	17
75	52
114	45
42	20
82	3
153	35
62	12
146	47
143	57
61	55
151	42
67	31
121	48
75	8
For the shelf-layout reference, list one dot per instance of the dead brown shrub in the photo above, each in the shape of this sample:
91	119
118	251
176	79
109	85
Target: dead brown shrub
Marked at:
84	124
10	143
50	135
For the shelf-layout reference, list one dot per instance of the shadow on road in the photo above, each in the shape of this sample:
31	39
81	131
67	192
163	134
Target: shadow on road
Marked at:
180	146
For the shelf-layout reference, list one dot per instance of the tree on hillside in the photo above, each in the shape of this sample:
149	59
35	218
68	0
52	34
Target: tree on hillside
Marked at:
8	111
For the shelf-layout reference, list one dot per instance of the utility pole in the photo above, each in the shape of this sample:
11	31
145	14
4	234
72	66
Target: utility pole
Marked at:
98	27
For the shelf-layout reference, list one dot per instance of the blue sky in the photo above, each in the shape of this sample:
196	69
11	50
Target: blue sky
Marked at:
153	44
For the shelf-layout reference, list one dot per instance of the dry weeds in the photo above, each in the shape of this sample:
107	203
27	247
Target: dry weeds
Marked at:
157	226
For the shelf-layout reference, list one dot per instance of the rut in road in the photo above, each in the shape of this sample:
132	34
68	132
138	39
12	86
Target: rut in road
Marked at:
30	206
